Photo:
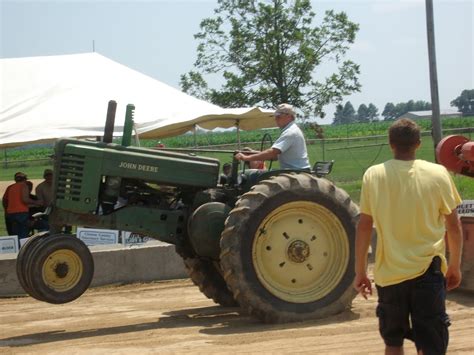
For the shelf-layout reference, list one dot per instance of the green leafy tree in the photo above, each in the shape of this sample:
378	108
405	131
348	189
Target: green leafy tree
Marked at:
348	113
372	112
410	106
465	102
400	109
269	52
389	112
422	106
338	115
362	114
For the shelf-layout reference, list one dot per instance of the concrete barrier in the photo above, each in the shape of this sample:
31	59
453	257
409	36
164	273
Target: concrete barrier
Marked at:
112	265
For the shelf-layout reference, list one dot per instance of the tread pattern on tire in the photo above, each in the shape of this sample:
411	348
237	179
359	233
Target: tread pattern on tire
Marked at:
245	292
204	273
38	256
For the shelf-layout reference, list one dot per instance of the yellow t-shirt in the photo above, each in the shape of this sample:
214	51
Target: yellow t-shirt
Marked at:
407	201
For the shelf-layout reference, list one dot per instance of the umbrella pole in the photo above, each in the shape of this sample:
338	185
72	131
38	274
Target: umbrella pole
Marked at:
194	136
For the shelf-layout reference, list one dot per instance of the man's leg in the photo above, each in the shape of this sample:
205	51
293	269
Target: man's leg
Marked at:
8	225
20	225
393	350
429	318
392	311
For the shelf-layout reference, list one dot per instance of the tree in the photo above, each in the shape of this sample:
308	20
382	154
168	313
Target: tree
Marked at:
400	109
422	106
465	102
372	113
338	115
409	106
362	114
389	112
348	113
268	52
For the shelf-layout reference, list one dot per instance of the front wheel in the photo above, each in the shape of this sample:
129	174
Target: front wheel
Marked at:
288	249
58	269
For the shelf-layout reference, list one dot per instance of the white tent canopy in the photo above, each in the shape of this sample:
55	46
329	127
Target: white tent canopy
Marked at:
45	98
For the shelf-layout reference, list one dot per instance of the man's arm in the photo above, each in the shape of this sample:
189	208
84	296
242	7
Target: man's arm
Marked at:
269	154
363	235
453	227
5	198
25	196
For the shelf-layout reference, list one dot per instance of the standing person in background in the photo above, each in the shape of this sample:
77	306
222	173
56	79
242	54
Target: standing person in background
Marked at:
8	225
412	203
254	164
44	190
38	224
289	148
17	201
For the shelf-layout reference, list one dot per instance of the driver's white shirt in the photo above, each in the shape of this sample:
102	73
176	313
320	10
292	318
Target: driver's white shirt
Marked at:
292	145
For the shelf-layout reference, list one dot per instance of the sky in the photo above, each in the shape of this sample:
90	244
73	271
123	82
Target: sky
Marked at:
156	37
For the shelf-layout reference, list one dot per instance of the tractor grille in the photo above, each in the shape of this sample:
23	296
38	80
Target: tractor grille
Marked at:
70	176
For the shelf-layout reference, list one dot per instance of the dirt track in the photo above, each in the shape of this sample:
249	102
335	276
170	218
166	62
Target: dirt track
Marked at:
174	317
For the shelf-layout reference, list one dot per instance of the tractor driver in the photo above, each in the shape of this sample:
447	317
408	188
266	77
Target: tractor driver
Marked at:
289	148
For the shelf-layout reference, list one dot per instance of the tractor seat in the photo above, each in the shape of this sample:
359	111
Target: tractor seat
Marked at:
322	168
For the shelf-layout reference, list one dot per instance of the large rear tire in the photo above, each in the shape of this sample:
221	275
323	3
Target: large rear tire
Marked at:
205	275
287	250
203	272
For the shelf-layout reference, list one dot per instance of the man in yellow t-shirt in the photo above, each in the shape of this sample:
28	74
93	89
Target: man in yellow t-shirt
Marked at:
411	203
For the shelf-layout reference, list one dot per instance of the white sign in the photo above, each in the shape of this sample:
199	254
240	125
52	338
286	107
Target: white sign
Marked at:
130	238
92	236
9	244
466	208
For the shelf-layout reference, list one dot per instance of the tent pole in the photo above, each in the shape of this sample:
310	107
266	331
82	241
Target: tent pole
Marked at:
237	124
194	136
137	139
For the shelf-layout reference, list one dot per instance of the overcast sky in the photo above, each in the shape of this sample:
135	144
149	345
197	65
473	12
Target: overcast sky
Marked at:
156	38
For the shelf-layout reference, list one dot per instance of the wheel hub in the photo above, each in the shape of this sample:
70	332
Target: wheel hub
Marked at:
298	251
61	270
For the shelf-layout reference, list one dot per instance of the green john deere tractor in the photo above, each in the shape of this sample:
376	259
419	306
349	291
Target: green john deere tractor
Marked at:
279	244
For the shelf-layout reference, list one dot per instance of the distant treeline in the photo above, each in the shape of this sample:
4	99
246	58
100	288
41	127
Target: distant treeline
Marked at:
346	113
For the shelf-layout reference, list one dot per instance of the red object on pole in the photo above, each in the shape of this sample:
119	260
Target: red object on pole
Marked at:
456	153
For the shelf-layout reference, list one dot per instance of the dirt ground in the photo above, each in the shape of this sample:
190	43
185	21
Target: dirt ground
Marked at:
174	317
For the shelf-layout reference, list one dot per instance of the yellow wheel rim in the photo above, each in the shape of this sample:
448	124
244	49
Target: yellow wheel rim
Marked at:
62	270
300	252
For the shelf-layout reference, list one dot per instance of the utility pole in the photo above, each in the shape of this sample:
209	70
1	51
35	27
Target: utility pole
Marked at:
435	119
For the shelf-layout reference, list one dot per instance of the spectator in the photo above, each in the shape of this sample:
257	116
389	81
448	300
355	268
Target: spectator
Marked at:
226	173
412	203
16	199
38	224
289	148
44	191
8	225
254	164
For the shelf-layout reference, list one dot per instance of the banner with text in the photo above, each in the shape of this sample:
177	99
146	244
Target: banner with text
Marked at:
92	236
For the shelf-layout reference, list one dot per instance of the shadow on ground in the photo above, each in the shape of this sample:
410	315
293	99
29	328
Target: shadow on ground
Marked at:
213	320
